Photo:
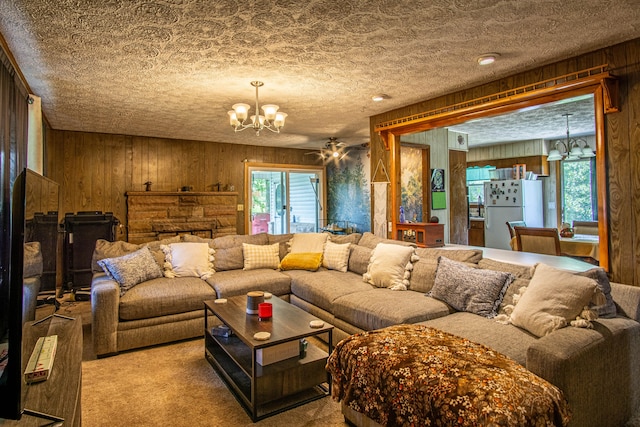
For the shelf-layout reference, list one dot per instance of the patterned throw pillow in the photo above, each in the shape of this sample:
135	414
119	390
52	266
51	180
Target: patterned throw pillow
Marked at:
261	256
470	289
608	309
336	256
131	269
390	266
301	261
188	260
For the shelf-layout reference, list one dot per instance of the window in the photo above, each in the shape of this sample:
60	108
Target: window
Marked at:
285	199
579	192
476	177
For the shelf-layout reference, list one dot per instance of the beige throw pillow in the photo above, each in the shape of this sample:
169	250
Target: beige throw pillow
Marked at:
260	256
188	260
336	256
308	243
390	266
554	299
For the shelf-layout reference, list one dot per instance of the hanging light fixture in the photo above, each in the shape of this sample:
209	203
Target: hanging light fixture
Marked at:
272	119
572	148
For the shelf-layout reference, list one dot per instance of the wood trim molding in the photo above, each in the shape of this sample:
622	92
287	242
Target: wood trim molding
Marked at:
596	81
505	101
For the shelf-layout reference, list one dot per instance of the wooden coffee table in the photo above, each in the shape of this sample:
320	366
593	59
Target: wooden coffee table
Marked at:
276	387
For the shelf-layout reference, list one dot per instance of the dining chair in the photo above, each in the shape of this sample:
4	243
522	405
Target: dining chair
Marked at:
538	240
511	224
585	227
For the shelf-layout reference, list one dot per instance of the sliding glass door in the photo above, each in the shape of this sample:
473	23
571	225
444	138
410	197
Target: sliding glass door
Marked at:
285	200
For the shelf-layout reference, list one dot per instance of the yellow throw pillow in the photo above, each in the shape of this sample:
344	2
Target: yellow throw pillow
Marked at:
302	261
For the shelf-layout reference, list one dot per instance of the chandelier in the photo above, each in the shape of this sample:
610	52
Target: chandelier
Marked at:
572	147
271	119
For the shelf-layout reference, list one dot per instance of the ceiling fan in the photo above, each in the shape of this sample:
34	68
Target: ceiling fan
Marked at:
332	150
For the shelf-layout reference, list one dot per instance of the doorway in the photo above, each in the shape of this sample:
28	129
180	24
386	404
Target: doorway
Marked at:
284	200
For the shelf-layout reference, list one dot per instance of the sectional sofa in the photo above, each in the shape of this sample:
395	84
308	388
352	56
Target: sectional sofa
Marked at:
594	362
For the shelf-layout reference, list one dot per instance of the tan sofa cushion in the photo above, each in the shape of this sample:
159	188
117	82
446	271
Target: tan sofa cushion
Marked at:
239	282
382	307
370	240
321	288
163	296
507	339
359	259
345	238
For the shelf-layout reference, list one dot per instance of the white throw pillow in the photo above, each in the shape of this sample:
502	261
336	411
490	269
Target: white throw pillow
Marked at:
390	266
555	299
188	260
308	242
261	256
336	256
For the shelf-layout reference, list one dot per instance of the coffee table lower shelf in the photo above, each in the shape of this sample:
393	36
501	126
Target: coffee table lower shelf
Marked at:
274	388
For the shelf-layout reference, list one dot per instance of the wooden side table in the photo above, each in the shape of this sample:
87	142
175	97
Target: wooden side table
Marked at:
423	234
59	396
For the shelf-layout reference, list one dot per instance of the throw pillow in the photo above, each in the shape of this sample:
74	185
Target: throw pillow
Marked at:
131	269
470	289
188	260
390	266
260	256
554	299
336	256
301	261
156	248
608	309
308	242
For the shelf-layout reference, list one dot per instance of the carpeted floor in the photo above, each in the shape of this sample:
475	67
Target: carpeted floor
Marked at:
169	385
173	385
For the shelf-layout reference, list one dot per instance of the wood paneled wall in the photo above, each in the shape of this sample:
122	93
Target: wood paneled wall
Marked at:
95	170
622	143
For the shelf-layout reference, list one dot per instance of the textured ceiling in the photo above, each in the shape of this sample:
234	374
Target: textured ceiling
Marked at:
172	68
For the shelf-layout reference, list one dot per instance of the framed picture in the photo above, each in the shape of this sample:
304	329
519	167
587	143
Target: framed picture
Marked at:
438	195
437	180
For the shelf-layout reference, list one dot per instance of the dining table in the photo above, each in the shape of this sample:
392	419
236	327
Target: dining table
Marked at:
581	245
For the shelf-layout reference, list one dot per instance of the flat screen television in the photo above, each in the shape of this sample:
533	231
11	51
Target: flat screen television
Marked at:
11	299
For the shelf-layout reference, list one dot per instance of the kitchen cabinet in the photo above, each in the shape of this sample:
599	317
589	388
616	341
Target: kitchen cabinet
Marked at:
535	164
476	232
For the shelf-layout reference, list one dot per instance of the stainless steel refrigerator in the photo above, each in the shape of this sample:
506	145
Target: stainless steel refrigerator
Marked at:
510	200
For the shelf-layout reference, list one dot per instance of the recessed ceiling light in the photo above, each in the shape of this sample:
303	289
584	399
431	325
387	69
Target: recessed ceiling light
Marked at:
488	58
380	97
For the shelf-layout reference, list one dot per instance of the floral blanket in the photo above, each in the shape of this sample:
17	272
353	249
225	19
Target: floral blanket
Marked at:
413	375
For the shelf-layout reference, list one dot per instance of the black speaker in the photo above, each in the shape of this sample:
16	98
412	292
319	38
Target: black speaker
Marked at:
82	230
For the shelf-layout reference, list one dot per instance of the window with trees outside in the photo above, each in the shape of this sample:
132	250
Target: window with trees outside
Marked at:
579	192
